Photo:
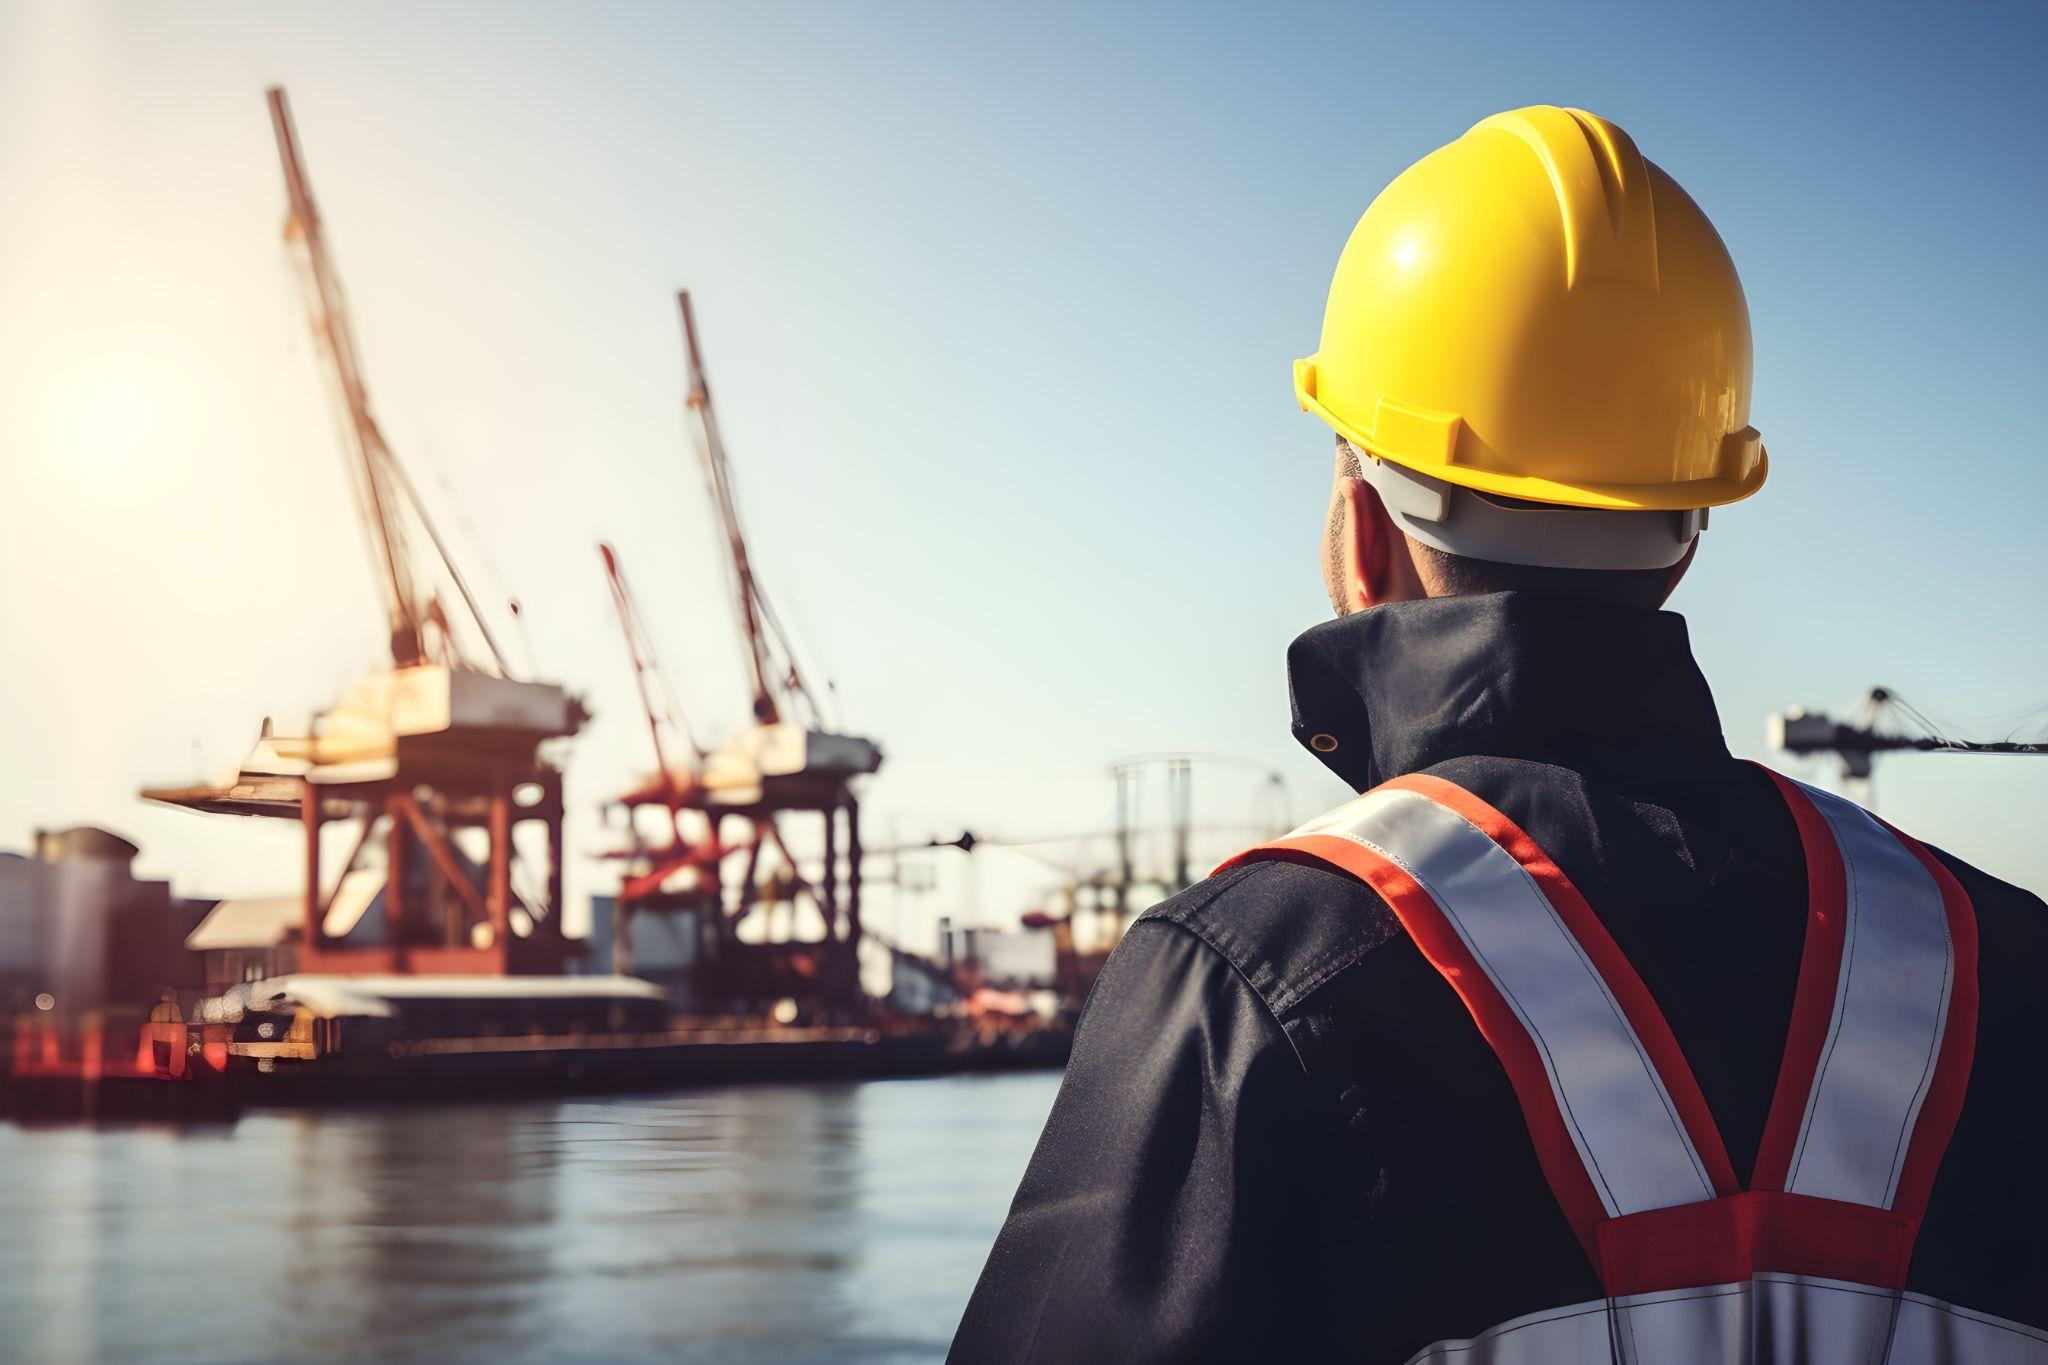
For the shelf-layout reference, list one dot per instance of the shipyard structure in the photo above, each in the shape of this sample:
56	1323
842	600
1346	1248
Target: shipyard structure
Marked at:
423	953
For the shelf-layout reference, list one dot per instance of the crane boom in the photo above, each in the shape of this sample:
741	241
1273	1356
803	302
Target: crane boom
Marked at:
771	658
719	474
329	317
383	491
655	697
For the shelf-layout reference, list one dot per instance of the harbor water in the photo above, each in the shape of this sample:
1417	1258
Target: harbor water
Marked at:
832	1222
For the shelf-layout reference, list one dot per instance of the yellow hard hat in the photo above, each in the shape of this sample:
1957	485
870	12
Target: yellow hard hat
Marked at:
1537	312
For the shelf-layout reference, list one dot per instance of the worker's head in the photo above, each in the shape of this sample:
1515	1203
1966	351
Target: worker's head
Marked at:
1536	357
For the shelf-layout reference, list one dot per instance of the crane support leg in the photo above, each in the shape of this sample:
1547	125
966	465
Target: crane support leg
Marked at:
309	816
499	901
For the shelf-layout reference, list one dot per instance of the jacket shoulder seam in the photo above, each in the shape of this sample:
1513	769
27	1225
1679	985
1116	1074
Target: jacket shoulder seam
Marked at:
1265	1005
1289	992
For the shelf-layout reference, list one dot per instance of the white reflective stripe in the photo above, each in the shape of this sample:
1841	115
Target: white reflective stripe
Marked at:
1767	1320
1637	1152
1891	1008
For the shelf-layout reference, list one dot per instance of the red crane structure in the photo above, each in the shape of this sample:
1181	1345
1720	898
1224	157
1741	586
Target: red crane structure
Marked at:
729	802
444	743
686	849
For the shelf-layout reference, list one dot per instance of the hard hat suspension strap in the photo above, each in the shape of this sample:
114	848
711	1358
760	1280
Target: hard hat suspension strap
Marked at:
1473	525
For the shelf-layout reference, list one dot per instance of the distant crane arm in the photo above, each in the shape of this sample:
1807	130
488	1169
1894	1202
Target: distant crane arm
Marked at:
771	657
657	698
380	484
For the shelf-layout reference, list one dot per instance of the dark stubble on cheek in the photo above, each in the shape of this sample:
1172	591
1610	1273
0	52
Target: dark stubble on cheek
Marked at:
1333	557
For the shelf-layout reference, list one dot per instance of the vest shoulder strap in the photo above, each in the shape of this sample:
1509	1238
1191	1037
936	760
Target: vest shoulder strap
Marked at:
1884	1022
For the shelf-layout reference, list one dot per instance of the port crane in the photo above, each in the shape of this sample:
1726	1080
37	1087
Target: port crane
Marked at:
731	800
444	741
1858	742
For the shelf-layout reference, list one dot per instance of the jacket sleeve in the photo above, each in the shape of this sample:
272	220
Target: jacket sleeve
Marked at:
1170	1209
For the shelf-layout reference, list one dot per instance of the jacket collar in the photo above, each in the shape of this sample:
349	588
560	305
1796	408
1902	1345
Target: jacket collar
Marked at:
1584	685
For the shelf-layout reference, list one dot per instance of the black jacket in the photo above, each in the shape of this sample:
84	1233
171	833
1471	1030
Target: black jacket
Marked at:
1282	1137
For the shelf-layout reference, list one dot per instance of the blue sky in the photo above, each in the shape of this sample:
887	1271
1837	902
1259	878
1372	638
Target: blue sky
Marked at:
1000	304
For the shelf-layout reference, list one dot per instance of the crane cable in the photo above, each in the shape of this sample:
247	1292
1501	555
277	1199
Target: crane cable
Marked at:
1884	702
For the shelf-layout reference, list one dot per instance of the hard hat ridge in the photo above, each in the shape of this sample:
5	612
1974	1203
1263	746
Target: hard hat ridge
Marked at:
1601	182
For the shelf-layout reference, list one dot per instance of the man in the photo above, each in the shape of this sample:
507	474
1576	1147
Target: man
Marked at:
1574	1038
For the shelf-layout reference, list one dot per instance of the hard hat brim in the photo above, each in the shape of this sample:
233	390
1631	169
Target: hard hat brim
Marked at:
1657	497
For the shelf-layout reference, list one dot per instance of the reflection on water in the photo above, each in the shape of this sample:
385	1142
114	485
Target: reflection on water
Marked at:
783	1223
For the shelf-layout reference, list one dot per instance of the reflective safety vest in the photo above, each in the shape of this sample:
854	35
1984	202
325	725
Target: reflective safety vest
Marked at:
1809	1263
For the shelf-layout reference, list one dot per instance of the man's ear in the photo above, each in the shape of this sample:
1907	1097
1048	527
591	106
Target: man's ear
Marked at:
1368	548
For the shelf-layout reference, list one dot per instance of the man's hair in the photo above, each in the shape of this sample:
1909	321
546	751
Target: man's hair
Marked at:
1458	576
